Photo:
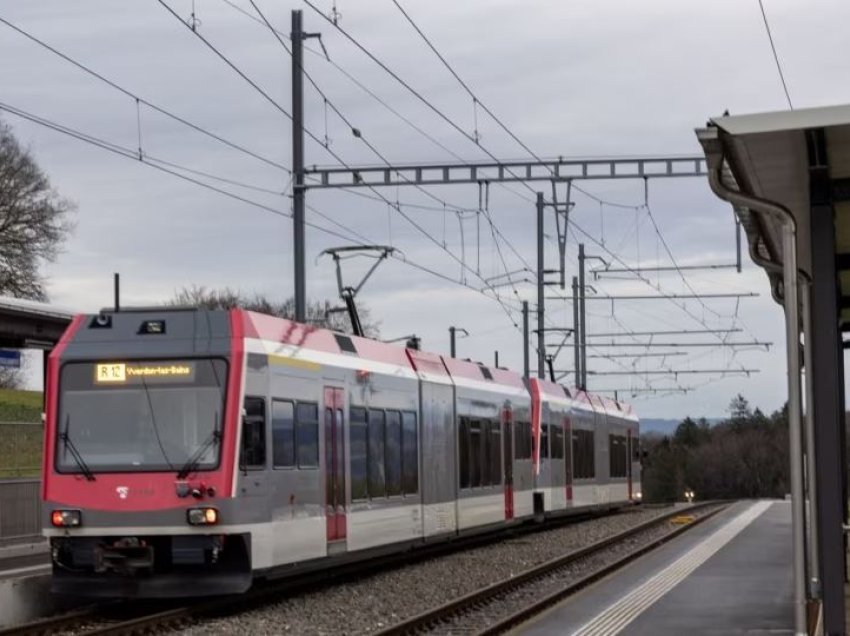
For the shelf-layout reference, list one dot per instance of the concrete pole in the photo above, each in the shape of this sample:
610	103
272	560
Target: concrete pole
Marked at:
582	342
576	333
298	193
811	462
541	335
525	362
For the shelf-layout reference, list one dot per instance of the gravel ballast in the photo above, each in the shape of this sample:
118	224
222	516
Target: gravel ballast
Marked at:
379	600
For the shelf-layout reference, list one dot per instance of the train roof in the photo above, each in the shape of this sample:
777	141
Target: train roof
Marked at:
479	376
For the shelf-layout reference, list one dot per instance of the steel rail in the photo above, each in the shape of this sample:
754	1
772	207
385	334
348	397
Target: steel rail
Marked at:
494	593
92	621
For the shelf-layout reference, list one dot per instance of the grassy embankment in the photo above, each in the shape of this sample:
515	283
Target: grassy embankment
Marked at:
20	444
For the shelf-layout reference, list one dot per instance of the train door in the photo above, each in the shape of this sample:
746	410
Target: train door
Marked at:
335	463
508	461
568	459
629	455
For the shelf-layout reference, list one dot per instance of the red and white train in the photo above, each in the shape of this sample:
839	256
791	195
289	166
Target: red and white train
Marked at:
189	452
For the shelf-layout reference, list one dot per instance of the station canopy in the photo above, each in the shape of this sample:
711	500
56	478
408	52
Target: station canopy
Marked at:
28	324
771	156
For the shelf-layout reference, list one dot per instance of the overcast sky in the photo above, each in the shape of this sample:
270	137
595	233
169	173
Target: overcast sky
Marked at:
576	79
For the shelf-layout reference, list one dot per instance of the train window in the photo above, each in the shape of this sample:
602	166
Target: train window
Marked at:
307	434
409	454
252	455
568	451
485	453
584	455
463	452
283	434
522	440
375	456
357	452
495	435
392	450
617	455
544	441
475	452
556	433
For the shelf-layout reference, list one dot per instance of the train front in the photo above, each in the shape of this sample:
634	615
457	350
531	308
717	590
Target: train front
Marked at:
139	455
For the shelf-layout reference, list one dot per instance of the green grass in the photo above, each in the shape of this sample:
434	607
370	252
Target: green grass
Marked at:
20	444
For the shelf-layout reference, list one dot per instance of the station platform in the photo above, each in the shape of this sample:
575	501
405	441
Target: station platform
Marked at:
731	574
24	559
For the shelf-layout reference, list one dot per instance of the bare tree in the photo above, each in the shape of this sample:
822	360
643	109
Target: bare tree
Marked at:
33	220
318	313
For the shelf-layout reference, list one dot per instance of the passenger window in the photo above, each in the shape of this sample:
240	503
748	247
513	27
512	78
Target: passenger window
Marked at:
358	452
475	453
544	441
377	481
252	455
522	440
307	434
463	452
495	434
557	441
392	452
409	454
283	434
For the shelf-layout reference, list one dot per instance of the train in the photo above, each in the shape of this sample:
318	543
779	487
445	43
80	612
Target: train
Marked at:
192	452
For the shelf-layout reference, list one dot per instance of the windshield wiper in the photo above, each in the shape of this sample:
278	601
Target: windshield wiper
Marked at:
192	463
69	445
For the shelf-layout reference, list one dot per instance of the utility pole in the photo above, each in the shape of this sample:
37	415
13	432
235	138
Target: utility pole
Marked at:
582	342
298	192
525	368
496	359
541	334
576	335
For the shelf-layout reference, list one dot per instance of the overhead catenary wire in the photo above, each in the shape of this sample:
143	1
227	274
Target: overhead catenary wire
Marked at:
375	151
129	153
333	154
141	100
458	128
775	55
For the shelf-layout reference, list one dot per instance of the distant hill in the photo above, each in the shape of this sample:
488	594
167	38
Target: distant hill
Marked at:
657	425
666	427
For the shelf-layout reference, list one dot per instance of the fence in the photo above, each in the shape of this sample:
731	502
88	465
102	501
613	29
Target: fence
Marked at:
20	510
20	498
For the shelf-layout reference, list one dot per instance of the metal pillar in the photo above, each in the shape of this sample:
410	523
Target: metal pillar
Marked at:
576	334
737	244
525	362
792	340
582	342
828	412
116	279
541	334
452	347
810	455
496	359
298	191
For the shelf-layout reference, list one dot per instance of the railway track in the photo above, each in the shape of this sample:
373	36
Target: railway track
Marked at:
501	606
127	617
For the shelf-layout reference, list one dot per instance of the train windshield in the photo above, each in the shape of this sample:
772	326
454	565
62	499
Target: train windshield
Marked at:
133	416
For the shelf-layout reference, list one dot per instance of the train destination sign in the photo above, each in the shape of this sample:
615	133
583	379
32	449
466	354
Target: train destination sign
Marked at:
127	372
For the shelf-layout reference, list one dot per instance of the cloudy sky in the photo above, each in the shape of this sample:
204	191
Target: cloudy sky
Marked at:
573	79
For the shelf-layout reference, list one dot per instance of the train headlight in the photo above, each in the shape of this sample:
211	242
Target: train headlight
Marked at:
66	518
202	516
638	495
